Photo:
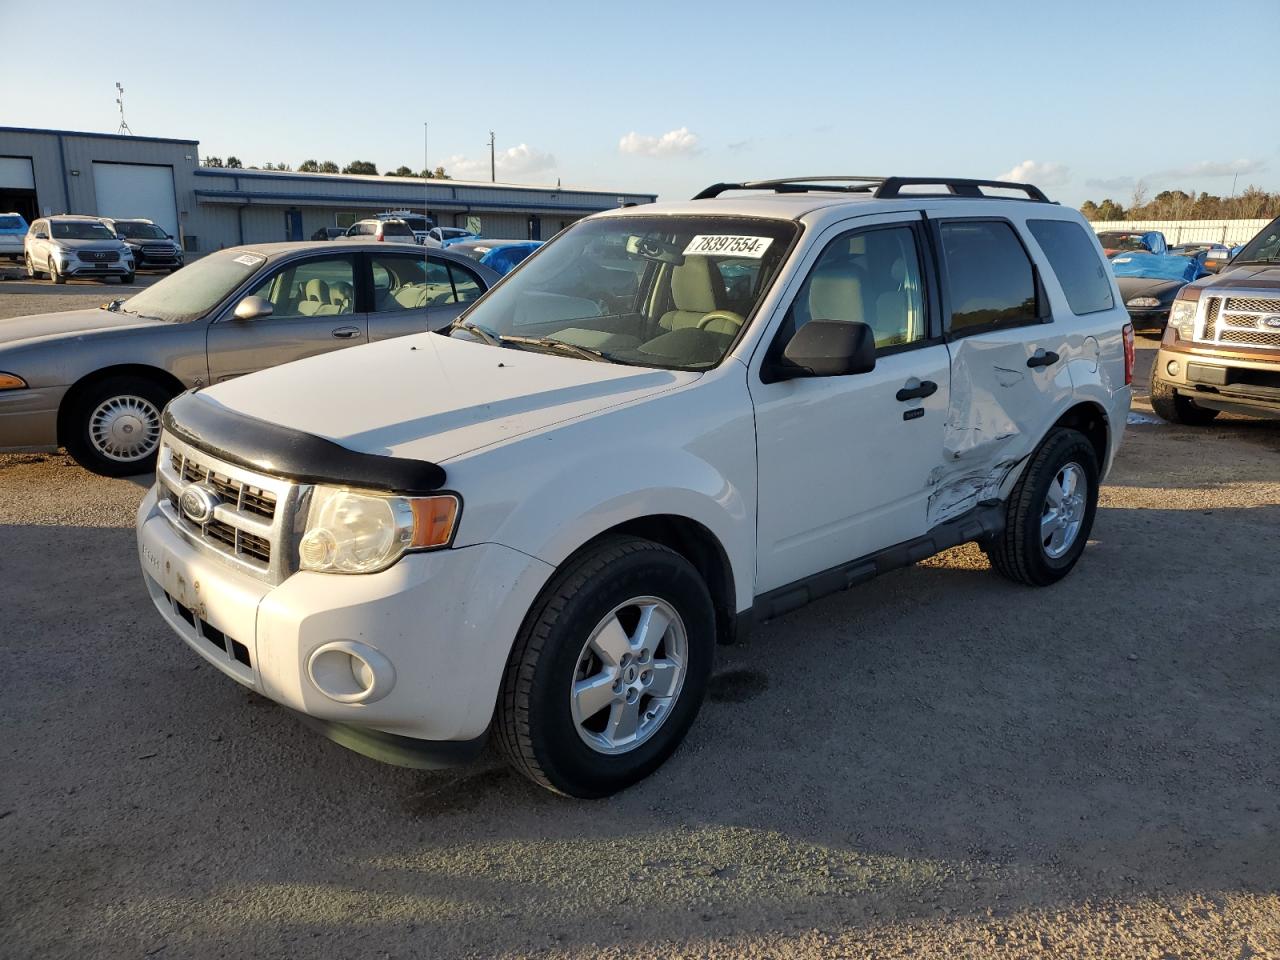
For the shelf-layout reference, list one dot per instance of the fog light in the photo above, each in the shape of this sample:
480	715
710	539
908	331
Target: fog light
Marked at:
1172	367
350	672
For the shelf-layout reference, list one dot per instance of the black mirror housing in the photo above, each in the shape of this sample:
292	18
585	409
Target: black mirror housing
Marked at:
827	348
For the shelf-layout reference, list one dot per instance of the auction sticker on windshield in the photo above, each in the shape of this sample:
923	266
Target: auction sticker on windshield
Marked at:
249	259
727	245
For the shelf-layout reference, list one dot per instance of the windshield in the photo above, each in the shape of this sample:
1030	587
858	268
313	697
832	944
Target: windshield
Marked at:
80	230
196	289
656	291
418	224
12	223
450	232
139	231
1265	247
1122	241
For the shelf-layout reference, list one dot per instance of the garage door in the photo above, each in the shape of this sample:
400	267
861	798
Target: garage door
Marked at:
15	174
136	190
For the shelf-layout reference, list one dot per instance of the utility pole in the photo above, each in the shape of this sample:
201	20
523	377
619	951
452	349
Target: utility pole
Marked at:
493	167
1234	178
426	172
124	126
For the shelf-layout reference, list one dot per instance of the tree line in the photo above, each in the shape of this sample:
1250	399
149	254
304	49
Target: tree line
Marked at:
328	166
1253	204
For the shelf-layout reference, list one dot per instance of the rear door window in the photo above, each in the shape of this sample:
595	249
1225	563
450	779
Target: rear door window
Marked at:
989	277
395	228
1075	261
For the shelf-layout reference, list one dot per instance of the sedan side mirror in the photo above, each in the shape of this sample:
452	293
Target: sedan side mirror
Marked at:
826	348
253	308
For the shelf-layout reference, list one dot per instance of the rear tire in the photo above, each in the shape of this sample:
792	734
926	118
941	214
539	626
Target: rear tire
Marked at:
1168	405
1049	516
112	427
609	669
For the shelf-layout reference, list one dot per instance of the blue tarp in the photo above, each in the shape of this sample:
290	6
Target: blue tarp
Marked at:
1154	266
506	257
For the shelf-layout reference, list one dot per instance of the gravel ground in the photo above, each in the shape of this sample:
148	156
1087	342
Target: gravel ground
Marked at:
937	763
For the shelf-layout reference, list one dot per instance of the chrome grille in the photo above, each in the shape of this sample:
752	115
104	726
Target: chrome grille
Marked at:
1211	317
1253	304
252	524
1240	321
99	256
1250	338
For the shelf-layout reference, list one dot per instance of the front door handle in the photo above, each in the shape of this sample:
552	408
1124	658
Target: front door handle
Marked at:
926	388
1042	358
346	333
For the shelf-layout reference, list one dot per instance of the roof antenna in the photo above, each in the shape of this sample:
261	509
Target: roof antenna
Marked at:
124	124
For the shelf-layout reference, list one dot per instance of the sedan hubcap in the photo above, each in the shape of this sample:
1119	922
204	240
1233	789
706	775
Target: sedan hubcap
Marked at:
629	675
125	428
1064	509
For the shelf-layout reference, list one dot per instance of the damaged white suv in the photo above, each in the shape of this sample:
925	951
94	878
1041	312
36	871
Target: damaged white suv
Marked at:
672	422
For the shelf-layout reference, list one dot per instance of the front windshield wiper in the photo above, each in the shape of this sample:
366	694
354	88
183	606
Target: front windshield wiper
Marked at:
584	353
483	333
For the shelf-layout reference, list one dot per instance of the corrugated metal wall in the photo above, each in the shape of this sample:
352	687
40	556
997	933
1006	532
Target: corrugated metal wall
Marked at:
1230	232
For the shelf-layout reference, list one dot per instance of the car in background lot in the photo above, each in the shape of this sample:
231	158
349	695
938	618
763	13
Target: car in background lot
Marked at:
1149	282
73	247
94	381
447	235
13	230
153	249
1122	241
502	256
1221	348
420	225
541	525
394	231
328	233
1214	256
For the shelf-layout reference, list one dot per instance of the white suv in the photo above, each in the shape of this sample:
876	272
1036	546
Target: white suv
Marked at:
672	422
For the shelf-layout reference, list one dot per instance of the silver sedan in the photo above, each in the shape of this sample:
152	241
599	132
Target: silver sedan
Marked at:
95	381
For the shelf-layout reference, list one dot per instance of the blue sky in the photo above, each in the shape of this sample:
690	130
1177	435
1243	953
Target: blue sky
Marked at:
667	97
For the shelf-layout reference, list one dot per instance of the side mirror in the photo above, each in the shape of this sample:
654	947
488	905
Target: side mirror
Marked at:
827	348
253	308
169	235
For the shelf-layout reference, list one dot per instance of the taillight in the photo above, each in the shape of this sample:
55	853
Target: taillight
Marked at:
381	238
1130	353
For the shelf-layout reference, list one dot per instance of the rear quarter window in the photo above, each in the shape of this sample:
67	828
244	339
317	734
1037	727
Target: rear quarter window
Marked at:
1079	269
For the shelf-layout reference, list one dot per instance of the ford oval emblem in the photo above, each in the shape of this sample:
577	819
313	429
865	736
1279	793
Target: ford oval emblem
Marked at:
197	503
1272	321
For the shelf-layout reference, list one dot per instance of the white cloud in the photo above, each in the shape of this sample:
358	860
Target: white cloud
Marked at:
1111	183
682	141
1215	168
514	163
1040	173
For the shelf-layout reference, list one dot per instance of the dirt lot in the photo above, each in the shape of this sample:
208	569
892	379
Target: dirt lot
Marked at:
935	764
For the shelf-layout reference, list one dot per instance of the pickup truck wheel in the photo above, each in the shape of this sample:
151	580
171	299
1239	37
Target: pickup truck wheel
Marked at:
1050	512
114	426
609	669
1169	406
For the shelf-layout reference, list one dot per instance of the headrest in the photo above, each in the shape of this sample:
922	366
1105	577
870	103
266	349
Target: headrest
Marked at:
693	285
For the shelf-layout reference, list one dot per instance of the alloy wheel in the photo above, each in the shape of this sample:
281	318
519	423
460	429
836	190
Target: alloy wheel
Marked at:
1064	510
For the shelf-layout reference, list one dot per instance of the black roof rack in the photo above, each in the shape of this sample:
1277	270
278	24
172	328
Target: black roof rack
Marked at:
880	187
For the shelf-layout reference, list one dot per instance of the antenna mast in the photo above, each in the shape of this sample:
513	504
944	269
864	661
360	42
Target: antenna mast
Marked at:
124	124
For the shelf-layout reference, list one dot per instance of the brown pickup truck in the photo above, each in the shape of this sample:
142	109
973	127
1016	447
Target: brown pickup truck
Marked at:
1221	348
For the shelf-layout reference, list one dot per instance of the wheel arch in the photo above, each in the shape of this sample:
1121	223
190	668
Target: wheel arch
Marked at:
1091	419
77	389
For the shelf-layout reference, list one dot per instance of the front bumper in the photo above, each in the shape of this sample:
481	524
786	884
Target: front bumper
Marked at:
156	261
78	268
29	419
444	621
1230	383
1147	318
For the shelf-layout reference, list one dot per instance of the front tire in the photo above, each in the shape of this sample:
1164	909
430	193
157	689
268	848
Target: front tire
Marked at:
54	273
32	273
1050	512
113	426
127	278
609	669
1169	406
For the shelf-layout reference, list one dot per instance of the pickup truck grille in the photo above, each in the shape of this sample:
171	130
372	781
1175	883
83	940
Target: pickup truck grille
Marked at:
1240	320
251	525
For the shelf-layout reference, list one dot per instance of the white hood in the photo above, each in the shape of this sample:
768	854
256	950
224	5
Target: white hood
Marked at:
429	397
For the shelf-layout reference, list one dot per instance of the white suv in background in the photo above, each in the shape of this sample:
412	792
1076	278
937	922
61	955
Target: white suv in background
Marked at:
674	421
395	231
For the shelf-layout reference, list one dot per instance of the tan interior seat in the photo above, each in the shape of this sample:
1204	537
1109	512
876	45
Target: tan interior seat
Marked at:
693	293
893	307
835	293
411	296
341	296
315	296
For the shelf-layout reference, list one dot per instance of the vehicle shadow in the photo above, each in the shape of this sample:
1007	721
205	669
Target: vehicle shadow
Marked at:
937	739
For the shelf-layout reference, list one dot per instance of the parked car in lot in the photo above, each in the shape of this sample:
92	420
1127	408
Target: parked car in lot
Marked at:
420	225
152	248
1149	282
542	524
1132	241
1213	256
95	381
13	230
329	233
502	256
1221	348
395	231
73	247
448	235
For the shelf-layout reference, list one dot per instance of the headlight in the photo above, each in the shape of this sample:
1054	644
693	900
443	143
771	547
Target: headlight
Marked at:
1144	302
10	382
1182	318
62	254
353	532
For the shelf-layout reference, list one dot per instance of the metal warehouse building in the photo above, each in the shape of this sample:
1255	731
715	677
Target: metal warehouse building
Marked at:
45	172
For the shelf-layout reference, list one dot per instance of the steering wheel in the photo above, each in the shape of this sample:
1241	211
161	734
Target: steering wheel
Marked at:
735	318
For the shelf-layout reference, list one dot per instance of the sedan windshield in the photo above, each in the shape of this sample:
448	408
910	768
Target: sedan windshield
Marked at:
658	291
1264	248
139	231
195	290
80	230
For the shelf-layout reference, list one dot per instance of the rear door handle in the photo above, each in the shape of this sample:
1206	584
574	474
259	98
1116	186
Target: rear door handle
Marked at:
927	388
346	333
1042	358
